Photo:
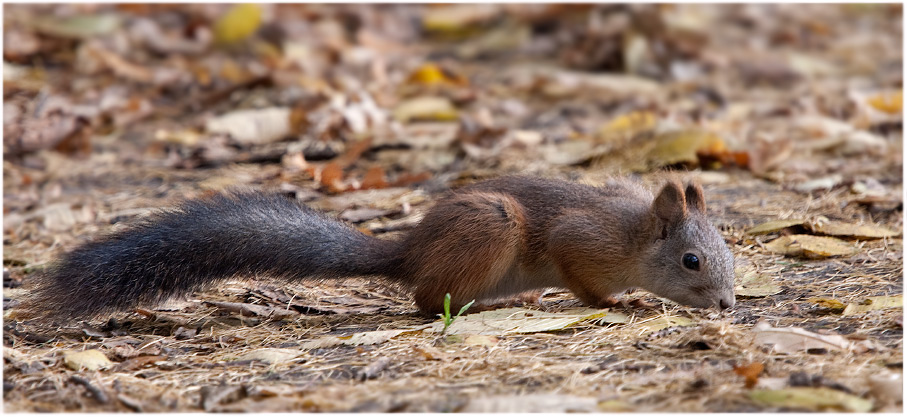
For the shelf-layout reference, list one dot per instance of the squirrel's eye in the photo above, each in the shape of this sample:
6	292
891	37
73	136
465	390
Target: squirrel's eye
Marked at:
691	261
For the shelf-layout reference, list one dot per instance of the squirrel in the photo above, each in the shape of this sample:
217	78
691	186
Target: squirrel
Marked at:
485	241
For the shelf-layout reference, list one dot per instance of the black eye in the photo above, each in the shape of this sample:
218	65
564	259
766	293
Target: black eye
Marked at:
691	261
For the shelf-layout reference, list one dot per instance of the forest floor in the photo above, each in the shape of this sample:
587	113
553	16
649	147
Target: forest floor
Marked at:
789	116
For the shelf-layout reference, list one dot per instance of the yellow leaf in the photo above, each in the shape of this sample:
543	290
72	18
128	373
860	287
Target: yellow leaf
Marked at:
865	231
890	102
773	226
91	360
810	246
241	21
458	20
829	303
426	108
682	146
874	303
628	125
432	74
813	399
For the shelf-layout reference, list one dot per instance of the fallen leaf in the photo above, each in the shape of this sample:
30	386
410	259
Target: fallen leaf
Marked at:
774	226
753	284
458	19
138	362
253	127
432	74
874	303
425	108
857	231
271	355
660	323
829	303
430	353
682	146
374	178
91	360
357	339
813	399
750	373
627	126
890	102
810	246
534	403
518	320
795	339
825	183
887	386
480	340
78	27
241	21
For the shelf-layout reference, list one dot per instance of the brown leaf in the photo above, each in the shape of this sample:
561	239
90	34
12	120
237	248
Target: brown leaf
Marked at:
138	362
332	177
750	372
810	246
374	178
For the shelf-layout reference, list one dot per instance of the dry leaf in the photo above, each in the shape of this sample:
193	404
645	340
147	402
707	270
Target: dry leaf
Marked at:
774	226
426	108
810	246
753	284
374	178
430	353
332	177
813	399
364	338
750	373
533	403
480	340
432	74
91	360
795	339
627	126
874	303
659	323
829	303
865	231
520	320
887	386
253	127
889	102
138	362
271	355
682	146
457	19
78	27
241	21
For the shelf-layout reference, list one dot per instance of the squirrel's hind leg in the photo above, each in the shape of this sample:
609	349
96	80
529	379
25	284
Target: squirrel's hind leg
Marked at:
466	246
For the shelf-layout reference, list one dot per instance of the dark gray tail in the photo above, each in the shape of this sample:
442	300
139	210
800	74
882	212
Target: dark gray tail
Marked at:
200	243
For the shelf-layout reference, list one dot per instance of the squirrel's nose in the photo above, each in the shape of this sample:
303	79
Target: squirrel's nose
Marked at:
726	303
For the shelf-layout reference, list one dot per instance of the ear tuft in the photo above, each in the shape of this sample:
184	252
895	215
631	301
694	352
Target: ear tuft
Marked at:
669	205
695	197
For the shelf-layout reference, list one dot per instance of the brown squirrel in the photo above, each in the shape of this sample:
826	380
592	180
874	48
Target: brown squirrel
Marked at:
485	241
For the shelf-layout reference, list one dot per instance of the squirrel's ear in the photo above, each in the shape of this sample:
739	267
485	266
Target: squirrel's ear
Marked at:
695	197
669	205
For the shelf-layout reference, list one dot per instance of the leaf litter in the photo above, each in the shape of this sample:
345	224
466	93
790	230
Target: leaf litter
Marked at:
569	91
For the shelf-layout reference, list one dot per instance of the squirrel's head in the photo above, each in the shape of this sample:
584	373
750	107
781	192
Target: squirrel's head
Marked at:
690	264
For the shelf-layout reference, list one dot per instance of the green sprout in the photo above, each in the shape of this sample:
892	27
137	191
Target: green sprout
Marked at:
448	319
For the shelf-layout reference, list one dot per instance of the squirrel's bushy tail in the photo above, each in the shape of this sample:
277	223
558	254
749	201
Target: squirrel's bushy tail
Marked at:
202	242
